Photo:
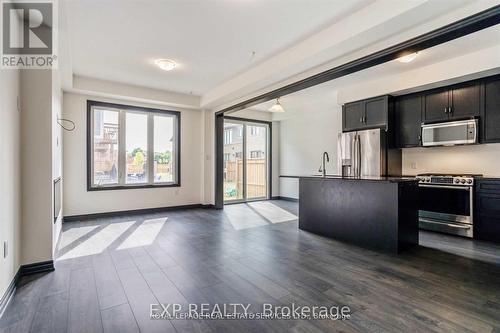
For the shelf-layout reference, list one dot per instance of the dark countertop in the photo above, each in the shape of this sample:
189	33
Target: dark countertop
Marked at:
364	178
487	178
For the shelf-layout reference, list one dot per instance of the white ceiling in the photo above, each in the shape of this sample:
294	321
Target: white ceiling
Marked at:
212	40
324	96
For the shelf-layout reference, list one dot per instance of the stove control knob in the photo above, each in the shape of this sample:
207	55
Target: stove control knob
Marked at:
457	181
469	181
428	180
463	181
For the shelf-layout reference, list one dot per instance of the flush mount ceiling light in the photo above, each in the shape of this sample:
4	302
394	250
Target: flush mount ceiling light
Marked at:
276	107
408	57
166	64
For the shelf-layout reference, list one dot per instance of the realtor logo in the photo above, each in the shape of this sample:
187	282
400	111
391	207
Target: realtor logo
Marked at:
28	34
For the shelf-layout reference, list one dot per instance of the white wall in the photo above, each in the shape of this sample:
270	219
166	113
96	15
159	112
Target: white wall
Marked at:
10	182
303	139
36	157
482	159
77	200
57	142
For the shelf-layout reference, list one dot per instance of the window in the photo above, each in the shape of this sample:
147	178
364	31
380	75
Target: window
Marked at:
227	156
254	130
131	147
228	136
256	154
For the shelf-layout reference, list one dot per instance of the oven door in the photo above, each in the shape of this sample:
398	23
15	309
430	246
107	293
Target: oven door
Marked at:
446	208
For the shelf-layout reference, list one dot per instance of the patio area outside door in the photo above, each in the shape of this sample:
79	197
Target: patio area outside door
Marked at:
246	160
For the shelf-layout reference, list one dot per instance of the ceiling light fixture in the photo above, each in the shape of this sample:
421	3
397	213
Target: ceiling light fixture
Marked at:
277	107
408	57
166	64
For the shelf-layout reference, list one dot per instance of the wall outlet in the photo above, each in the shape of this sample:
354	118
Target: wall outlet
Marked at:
413	165
5	249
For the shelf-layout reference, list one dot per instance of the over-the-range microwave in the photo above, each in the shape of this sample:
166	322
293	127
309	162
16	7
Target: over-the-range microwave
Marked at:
450	133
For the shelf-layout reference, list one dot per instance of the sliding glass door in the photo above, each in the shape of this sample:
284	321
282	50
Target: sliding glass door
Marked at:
246	160
233	161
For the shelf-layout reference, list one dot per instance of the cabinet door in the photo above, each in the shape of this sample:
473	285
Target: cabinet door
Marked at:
491	119
353	114
436	104
487	228
465	101
408	121
376	112
487	210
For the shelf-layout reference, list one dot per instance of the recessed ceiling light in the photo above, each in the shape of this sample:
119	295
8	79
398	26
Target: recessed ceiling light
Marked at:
166	64
276	107
408	57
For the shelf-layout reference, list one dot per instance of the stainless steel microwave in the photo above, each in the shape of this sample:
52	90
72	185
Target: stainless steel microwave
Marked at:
451	133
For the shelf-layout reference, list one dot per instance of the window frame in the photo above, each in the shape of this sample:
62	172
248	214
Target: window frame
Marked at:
151	112
228	136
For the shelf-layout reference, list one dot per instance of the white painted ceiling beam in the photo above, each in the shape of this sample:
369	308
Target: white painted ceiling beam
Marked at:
96	87
380	25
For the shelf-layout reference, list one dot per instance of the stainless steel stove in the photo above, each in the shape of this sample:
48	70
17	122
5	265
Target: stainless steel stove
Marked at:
443	179
446	203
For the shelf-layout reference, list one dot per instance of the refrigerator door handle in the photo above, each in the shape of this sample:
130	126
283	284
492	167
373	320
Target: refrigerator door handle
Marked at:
359	155
354	159
356	155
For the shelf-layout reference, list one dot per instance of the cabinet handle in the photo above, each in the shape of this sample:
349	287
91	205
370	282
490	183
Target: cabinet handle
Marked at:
450	110
361	120
445	110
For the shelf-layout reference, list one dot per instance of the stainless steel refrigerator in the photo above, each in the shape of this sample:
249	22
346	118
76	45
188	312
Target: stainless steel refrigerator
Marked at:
367	154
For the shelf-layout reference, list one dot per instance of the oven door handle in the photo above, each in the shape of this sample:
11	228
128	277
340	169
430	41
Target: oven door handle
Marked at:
466	188
447	224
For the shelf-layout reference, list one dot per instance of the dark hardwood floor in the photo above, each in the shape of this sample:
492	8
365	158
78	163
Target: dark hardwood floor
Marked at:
109	271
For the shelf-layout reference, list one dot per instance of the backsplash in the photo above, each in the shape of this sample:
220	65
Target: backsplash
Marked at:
482	159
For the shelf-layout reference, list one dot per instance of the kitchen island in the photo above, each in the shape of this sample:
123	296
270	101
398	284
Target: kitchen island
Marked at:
374	212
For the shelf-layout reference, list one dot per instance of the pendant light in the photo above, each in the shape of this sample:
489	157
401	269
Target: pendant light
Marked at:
276	107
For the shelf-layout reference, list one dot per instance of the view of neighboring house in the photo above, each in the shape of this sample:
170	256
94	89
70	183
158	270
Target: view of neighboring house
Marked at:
106	154
256	147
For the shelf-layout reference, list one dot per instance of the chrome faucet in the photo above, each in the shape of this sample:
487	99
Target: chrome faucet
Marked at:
323	167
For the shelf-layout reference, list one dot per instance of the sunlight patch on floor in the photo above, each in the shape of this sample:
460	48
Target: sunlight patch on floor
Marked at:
271	212
99	242
242	217
71	235
144	235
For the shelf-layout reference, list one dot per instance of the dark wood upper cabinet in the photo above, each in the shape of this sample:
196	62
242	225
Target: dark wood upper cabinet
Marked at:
365	114
404	115
436	106
408	120
465	101
352	115
459	102
376	111
491	114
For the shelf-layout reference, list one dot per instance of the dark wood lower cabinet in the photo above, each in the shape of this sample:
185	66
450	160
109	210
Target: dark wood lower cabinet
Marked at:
377	214
487	210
